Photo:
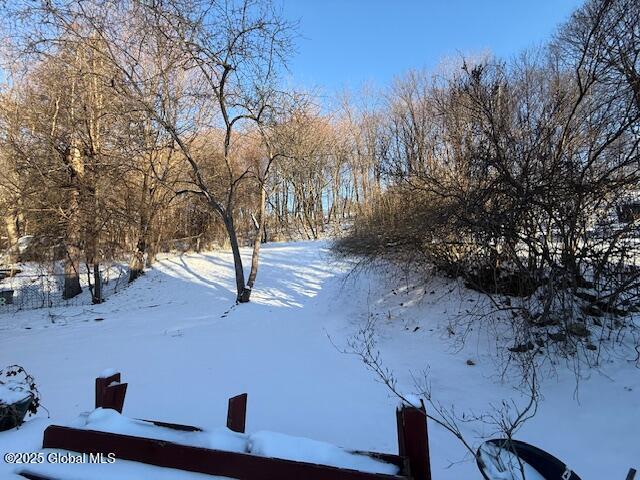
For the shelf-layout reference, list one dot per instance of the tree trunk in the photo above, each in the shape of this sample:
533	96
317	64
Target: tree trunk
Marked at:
242	293
89	208
255	256
137	263
11	221
97	285
74	226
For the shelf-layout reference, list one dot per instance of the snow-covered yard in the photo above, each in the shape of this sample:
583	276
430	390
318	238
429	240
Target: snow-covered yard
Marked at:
185	349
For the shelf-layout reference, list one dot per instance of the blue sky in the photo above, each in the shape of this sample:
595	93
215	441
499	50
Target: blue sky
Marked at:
345	43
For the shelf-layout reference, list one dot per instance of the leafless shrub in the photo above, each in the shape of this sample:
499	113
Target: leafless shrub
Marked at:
521	180
503	420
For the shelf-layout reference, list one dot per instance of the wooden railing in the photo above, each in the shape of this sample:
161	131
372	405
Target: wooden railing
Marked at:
412	459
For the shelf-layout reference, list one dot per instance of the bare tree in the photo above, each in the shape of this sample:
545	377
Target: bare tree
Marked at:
218	61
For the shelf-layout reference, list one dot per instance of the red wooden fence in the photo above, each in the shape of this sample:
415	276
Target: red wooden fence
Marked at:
412	459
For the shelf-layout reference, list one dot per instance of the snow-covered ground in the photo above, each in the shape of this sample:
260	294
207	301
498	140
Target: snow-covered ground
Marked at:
185	349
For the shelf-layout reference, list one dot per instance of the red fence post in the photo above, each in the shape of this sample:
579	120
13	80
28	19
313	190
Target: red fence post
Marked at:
110	392
237	413
413	440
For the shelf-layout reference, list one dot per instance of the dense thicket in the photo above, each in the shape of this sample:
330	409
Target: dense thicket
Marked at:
522	179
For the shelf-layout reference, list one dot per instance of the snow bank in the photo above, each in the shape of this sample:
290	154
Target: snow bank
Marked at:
278	445
304	297
13	392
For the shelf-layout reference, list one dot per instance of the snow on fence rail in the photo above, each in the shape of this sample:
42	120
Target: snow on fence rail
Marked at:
31	286
259	456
